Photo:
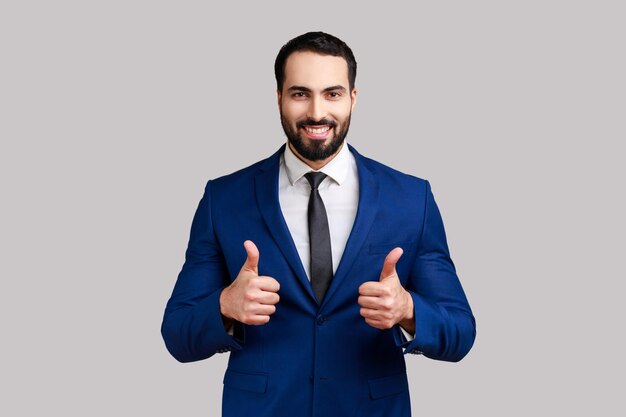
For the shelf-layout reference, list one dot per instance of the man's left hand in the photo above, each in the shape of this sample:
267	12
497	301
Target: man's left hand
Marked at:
386	303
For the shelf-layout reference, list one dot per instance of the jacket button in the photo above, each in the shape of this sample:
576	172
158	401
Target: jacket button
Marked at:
321	320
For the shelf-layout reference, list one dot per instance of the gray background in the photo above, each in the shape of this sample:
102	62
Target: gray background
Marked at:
113	114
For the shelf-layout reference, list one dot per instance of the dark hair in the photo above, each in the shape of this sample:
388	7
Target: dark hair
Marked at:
320	43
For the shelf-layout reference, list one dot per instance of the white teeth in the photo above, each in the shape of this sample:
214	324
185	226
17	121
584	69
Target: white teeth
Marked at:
317	130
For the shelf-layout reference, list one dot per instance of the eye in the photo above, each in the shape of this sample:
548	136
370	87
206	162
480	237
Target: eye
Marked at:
334	95
298	94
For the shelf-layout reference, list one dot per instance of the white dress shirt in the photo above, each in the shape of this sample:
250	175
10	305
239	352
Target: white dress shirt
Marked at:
339	191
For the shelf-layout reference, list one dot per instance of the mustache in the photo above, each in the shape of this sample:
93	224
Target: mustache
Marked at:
311	122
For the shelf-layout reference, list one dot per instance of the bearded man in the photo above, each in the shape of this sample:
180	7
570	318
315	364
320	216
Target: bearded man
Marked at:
317	268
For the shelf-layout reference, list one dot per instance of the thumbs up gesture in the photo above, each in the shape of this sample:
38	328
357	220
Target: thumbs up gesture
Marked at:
385	303
251	298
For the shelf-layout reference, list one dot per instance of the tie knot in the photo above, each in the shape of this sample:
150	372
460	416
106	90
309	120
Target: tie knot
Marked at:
315	179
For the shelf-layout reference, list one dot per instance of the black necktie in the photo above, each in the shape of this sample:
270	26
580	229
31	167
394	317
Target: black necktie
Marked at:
319	239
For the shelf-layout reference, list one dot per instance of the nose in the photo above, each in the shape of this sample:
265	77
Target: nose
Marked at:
316	110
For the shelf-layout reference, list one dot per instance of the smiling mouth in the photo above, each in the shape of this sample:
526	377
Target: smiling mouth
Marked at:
317	132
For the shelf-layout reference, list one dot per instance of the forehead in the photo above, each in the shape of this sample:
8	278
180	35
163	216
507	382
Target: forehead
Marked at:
315	71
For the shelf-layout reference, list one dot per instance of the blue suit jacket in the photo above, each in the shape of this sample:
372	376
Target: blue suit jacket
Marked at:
310	359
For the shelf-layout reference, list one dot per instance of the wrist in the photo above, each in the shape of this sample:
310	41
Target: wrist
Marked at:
224	304
408	322
409	313
227	320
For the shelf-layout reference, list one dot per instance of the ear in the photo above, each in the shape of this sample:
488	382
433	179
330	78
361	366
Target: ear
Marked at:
279	96
353	98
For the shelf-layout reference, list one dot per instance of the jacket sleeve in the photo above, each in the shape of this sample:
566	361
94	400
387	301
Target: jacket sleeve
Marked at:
445	327
192	325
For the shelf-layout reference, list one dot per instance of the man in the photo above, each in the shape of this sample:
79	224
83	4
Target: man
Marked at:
316	267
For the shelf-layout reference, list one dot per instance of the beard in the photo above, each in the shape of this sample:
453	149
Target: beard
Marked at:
315	150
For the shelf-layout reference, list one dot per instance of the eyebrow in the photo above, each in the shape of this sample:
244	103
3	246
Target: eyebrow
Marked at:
327	89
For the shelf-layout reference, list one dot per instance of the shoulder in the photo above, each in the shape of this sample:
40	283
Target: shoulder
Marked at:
245	176
389	176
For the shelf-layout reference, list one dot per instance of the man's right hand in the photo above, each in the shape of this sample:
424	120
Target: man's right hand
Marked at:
251	298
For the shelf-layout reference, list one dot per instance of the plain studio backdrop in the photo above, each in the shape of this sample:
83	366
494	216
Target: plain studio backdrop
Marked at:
114	114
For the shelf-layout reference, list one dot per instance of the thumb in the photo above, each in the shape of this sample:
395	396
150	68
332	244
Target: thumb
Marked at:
252	260
389	266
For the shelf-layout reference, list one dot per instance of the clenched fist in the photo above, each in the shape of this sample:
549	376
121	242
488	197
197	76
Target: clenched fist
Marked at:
251	298
385	303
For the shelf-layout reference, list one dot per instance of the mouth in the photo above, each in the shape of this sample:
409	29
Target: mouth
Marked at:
317	132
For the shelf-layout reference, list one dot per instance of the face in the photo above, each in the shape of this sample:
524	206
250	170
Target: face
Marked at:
315	105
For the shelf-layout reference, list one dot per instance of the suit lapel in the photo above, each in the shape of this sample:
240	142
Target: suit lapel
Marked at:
266	188
366	213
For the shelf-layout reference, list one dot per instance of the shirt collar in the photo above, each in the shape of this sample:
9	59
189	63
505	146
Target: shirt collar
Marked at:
337	168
